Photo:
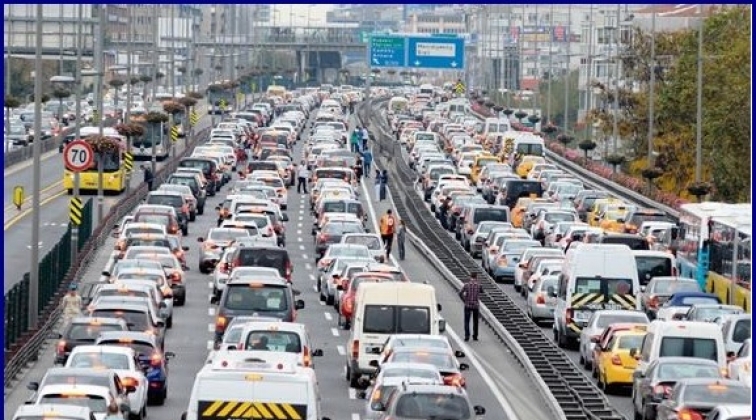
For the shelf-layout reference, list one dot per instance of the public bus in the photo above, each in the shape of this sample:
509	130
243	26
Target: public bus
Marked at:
730	259
694	234
114	171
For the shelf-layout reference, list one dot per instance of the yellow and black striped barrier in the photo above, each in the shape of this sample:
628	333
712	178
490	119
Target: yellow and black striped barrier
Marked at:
459	88
251	410
174	133
128	161
193	118
75	211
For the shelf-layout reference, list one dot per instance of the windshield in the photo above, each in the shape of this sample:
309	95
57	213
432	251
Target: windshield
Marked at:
442	361
672	286
409	373
558	217
607	320
432	406
100	360
695	300
710	314
348	252
389	319
701	348
111	161
675	371
262	299
717	394
159	219
627	342
141	349
95	403
280	341
225	235
89	332
340	228
483	214
136	321
371	242
143	231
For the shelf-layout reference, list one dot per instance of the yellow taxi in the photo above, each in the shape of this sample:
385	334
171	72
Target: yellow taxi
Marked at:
598	207
479	163
527	163
521	207
615	366
613	218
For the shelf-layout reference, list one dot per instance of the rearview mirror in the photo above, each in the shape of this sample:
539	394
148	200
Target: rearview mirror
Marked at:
299	304
459	353
231	348
213	300
479	410
218	208
185	248
284	217
373	363
678	317
377	406
464	366
317	353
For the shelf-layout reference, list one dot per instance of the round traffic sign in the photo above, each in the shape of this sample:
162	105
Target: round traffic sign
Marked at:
78	156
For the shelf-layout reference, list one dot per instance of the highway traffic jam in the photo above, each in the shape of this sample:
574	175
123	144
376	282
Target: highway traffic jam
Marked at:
236	232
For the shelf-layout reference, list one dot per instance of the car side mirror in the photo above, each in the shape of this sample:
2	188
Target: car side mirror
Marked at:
185	248
559	237
459	353
442	325
464	366
231	348
642	288
377	406
479	410
169	355
218	208
373	363
299	304
284	217
32	386
106	273
161	323
317	353
633	352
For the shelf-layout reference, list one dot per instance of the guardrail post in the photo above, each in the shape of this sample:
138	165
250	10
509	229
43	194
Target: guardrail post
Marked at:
11	314
23	316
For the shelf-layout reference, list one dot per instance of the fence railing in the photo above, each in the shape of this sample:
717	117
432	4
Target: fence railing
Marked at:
30	338
25	153
52	272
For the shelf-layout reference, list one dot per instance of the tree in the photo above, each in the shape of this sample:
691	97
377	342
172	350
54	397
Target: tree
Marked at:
558	86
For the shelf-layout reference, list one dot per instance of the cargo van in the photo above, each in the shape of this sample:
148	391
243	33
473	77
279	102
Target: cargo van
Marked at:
593	277
701	340
237	386
384	309
654	264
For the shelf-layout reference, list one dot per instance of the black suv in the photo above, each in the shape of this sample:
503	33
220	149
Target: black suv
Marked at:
263	256
83	331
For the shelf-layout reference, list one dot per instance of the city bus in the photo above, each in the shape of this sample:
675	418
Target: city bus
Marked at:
730	259
141	146
114	172
695	220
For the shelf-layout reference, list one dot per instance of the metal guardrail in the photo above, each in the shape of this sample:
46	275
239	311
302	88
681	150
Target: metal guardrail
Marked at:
577	396
17	156
612	187
33	340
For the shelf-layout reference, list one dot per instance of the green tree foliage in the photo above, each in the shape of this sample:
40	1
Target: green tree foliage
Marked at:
726	105
558	85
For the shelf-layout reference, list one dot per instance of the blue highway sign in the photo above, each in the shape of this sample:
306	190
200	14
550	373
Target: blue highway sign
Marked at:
436	52
388	51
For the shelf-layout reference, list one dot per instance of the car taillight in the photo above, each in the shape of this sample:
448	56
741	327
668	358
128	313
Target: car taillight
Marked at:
653	302
540	299
289	270
220	324
355	349
568	314
307	357
175	278
616	361
61	347
689	414
156	359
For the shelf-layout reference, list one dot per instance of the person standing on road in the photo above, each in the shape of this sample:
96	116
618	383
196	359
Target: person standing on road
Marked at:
367	160
377	183
71	303
388	227
355	140
149	177
302	175
401	234
365	137
470	295
383	185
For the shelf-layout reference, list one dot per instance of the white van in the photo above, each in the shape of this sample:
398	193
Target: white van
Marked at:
384	309
701	340
654	264
593	277
237	386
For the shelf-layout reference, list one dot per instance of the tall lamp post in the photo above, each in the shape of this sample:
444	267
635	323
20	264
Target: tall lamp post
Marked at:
36	175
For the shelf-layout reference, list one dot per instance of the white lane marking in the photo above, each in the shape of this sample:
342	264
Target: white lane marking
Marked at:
308	266
352	393
328	316
299	225
355	416
300	239
472	356
210	344
299	232
301	217
210	327
301	247
341	350
304	256
335	332
374	217
312	277
209	285
211	311
320	301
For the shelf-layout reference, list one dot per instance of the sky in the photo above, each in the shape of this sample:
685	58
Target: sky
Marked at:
298	14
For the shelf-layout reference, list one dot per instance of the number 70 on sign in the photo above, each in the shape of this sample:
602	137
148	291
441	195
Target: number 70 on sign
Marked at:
78	156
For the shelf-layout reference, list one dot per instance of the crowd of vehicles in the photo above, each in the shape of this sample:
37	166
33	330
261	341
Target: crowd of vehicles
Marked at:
610	278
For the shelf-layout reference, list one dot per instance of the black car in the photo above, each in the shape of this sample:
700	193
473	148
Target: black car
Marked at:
138	317
209	169
199	193
331	233
83	331
172	199
268	297
263	256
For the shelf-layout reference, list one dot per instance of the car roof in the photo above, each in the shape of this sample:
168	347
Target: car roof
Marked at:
128	335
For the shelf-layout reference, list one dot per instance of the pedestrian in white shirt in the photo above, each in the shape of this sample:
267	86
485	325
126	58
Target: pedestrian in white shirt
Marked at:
302	174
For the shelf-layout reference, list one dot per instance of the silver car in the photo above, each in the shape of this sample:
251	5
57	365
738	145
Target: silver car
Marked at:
541	301
481	233
596	325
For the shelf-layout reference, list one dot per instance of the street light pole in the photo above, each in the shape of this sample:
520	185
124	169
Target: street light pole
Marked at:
699	96
36	175
8	46
172	68
129	75
77	126
567	76
551	71
617	78
100	66
651	86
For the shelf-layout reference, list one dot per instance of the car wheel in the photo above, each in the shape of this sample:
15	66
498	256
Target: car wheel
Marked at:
169	322
192	216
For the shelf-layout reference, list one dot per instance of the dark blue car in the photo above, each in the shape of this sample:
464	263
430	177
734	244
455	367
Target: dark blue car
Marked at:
688	299
153	362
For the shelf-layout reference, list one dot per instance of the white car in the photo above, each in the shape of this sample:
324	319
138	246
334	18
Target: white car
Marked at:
391	376
221	272
122	360
372	241
739	367
97	398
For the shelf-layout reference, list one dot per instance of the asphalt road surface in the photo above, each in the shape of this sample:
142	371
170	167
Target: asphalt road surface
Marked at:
494	380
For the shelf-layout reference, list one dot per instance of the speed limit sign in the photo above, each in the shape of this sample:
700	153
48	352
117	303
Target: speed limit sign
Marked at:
78	156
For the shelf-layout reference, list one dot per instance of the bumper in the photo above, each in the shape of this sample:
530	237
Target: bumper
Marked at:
503	272
619	375
156	387
476	247
542	312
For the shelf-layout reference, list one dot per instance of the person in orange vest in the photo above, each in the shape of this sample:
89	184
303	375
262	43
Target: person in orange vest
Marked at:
388	227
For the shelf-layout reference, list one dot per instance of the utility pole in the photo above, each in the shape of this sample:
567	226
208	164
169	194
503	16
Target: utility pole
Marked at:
172	58
617	78
9	25
588	87
699	101
129	76
567	76
100	66
77	126
156	62
551	63
36	176
651	86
